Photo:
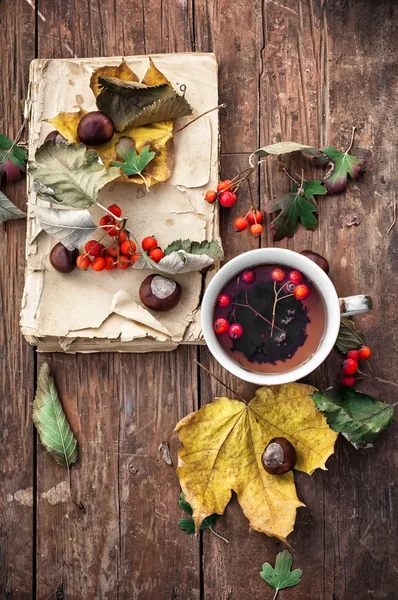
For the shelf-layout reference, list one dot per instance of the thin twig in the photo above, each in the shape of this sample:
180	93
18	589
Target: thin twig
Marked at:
15	142
218	535
394	218
352	140
220	381
118	219
377	378
291	176
258	314
200	116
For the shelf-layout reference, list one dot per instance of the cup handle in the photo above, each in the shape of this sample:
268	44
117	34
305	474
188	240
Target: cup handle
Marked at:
355	305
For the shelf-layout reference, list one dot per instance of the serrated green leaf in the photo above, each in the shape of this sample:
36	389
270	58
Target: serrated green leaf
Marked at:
8	210
134	162
75	176
281	576
14	153
130	104
359	417
210	248
187	524
298	205
349	337
50	420
344	165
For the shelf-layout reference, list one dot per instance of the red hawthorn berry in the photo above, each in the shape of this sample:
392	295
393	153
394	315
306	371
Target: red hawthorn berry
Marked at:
115	210
350	366
295	277
148	243
224	185
365	352
348	380
227	199
211	196
221	326
240	224
256	229
301	292
156	254
278	275
235	331
255	216
354	354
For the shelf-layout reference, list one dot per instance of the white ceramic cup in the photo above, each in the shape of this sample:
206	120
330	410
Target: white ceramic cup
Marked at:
335	307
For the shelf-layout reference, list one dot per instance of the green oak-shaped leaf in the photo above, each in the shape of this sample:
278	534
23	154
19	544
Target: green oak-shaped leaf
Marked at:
72	175
344	165
281	576
48	415
298	205
134	162
358	417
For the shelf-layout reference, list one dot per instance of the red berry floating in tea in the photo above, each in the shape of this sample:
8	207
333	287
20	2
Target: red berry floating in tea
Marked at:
365	352
350	366
295	277
278	275
224	300
221	326
235	331
249	276
301	292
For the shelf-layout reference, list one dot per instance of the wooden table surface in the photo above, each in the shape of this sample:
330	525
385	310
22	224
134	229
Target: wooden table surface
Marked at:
289	70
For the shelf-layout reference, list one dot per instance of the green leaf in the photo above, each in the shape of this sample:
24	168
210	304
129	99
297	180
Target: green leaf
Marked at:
359	417
14	153
281	576
285	148
300	205
211	249
349	336
130	104
187	524
134	163
50	420
8	210
344	165
75	176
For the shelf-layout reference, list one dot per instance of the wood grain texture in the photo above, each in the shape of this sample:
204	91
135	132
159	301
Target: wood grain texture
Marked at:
16	358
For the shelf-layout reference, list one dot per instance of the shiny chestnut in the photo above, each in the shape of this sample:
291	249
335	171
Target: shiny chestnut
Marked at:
160	293
279	456
317	259
62	259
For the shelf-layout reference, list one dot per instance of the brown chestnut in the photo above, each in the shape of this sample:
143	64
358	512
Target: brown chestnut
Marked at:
279	456
55	137
62	259
160	293
95	128
317	259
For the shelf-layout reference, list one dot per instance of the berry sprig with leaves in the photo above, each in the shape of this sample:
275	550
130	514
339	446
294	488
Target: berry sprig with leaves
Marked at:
300	204
12	168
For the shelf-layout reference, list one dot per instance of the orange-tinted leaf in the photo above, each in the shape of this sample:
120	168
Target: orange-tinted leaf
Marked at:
122	72
153	76
66	124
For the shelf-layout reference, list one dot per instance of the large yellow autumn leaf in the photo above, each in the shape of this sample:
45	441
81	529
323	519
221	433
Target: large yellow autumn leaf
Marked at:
159	135
222	447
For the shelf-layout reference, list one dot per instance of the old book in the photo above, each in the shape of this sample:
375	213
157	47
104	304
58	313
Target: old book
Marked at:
85	311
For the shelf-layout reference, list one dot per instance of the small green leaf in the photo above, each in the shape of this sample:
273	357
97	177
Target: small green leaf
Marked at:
344	165
134	162
211	249
73	175
14	153
188	524
359	417
281	576
8	210
50	420
299	205
349	337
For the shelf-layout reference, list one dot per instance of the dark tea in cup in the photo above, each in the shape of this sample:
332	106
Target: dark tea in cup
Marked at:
270	319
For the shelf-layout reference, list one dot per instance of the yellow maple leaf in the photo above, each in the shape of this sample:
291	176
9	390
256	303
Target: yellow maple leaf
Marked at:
223	443
159	136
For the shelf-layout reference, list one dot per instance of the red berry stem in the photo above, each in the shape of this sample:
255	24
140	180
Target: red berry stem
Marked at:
379	379
258	314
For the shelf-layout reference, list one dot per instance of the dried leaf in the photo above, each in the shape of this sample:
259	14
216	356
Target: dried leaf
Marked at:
153	76
163	110
344	165
67	123
281	576
300	205
222	447
358	417
50	420
8	210
349	337
122	72
74	175
285	148
71	227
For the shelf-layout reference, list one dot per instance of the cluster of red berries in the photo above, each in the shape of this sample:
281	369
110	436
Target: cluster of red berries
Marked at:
151	247
292	283
350	366
254	218
225	194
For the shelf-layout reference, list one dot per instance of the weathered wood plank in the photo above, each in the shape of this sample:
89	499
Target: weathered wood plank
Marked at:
127	543
16	358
